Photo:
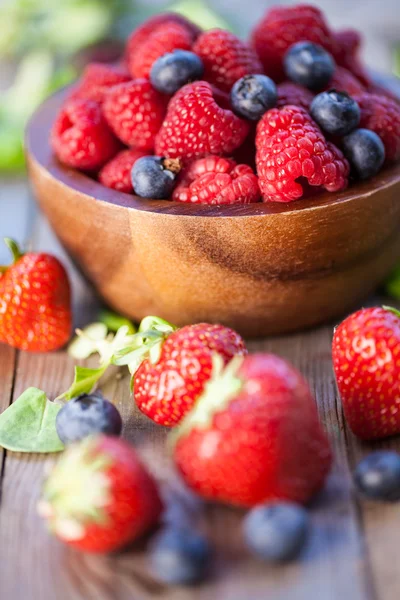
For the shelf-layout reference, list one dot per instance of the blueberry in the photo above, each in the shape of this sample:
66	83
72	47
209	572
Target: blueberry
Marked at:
377	476
179	556
309	64
85	415
154	176
335	112
276	532
253	95
173	70
365	152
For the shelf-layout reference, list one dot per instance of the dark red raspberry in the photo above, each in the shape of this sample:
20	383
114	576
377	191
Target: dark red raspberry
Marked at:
116	174
97	78
346	53
283	26
140	35
375	88
226	58
165	38
246	153
81	138
217	180
196	125
135	112
382	115
291	146
344	81
293	93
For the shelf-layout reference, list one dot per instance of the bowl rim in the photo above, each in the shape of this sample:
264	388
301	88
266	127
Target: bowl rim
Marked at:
38	148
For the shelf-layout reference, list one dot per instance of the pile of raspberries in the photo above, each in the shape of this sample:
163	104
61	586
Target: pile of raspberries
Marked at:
115	116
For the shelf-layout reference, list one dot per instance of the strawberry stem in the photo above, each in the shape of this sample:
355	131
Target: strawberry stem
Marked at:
14	249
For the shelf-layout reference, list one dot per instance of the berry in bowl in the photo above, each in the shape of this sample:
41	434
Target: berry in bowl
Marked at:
205	178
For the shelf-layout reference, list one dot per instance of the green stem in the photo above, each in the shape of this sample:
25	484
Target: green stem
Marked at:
14	249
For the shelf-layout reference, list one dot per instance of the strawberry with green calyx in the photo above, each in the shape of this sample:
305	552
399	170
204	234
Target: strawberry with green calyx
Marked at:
366	353
99	497
170	367
253	435
35	302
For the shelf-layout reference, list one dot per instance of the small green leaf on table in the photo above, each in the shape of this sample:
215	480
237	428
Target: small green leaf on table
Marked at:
28	424
84	381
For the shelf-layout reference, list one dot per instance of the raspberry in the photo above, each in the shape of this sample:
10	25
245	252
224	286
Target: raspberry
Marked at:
291	146
81	138
97	78
284	26
217	180
344	81
116	174
293	93
196	125
375	88
135	112
140	35
165	38
226	58
382	115
346	50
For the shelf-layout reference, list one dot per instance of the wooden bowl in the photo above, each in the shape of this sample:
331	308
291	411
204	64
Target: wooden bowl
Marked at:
261	269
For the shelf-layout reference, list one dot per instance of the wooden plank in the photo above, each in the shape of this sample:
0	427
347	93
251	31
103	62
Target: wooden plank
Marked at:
7	365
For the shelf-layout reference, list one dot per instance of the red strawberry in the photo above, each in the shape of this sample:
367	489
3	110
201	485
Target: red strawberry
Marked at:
366	351
253	436
35	303
97	78
99	497
167	384
135	112
116	174
226	58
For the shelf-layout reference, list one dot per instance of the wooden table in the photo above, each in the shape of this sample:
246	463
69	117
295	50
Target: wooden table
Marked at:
352	551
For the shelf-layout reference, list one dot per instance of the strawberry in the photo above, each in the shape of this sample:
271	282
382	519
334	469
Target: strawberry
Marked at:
173	365
253	435
366	353
99	497
35	303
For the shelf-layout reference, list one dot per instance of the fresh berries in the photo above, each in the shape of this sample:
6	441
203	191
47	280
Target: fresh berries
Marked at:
35	302
164	39
135	112
335	112
344	81
226	58
347	43
382	115
377	476
284	26
196	125
366	347
309	64
240	443
365	152
252	96
167	388
217	180
116	174
292	93
154	176
172	71
86	415
289	146
97	78
99	497
276	532
81	138
179	556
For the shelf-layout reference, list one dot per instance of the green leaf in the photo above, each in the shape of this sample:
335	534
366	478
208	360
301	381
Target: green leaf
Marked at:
392	284
113	321
84	381
29	424
200	13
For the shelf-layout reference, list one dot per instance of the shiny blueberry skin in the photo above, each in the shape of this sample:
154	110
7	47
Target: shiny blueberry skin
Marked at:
309	64
86	415
173	70
377	476
179	556
365	152
150	178
335	112
276	532
252	96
